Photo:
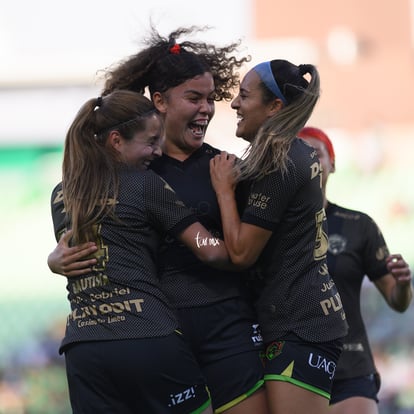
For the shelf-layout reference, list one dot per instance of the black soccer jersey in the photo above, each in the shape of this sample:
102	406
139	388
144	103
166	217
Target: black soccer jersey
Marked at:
356	248
185	279
297	293
122	298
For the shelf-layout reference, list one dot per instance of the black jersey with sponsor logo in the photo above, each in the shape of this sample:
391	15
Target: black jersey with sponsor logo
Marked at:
184	278
356	249
296	292
122	298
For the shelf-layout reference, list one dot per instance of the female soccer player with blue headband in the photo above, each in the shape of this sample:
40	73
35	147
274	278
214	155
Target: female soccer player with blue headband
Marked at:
281	231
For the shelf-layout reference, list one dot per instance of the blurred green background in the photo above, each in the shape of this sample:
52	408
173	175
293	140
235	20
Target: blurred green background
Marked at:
32	301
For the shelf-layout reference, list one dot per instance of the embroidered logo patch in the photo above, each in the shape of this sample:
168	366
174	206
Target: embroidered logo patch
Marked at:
273	350
337	244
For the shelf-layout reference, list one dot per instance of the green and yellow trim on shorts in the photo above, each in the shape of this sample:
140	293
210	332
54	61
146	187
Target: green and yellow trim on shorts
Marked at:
239	399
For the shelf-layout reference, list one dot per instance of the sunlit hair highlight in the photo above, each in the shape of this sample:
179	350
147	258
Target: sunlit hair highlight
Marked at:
156	68
268	151
89	169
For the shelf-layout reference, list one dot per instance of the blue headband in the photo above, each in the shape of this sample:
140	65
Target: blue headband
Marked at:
265	72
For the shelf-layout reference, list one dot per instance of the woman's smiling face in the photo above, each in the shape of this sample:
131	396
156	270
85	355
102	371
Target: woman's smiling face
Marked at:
251	110
144	146
187	110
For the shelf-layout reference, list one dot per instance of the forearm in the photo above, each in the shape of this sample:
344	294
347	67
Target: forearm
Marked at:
231	225
212	251
401	293
207	248
401	296
244	242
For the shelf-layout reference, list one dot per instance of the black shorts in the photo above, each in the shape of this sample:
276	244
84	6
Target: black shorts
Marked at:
367	386
225	338
149	375
306	364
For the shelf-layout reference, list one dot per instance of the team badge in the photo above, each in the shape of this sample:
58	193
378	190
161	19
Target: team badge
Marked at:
337	244
273	350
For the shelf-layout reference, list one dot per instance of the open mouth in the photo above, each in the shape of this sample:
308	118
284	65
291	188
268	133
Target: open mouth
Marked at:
198	128
145	165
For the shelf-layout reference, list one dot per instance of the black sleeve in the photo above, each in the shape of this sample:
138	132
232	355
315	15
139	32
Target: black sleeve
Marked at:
58	211
165	210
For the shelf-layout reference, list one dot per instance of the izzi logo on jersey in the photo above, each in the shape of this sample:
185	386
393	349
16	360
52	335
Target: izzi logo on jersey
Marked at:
256	334
181	397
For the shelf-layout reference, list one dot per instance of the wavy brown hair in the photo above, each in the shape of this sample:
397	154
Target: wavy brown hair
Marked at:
158	68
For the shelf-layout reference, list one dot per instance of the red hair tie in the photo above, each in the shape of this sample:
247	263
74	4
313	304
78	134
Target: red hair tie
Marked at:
175	50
